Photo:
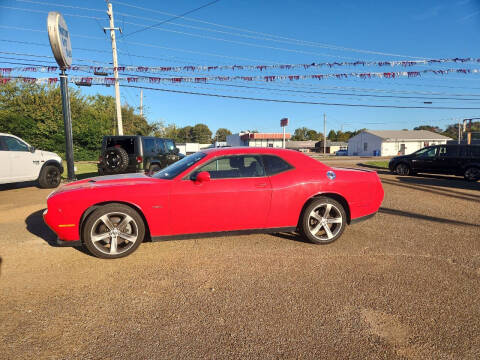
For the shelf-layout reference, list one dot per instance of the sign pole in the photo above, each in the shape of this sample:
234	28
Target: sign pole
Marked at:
59	38
67	123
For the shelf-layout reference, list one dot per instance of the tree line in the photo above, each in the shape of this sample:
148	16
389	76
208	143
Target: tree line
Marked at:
34	113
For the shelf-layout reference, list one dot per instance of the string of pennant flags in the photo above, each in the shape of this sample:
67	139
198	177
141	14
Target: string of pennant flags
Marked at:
268	78
157	69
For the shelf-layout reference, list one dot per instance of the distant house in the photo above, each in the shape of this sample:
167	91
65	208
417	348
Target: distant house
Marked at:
303	146
331	147
257	139
392	142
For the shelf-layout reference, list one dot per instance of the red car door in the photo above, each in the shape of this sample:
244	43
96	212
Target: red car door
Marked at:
237	197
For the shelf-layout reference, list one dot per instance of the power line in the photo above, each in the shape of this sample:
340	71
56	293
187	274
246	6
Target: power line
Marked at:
333	47
174	17
301	102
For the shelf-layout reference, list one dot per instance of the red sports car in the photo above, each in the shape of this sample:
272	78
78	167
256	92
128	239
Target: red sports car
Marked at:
213	192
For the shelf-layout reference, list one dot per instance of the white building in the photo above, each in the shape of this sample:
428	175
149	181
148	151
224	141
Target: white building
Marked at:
257	139
190	148
392	142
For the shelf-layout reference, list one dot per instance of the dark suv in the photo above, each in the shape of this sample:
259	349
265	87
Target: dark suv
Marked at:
135	153
440	159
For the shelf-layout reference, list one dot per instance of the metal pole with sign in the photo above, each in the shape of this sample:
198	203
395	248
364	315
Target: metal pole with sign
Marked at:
284	124
62	51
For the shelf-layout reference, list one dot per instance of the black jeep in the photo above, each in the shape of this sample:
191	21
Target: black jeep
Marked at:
440	159
136	153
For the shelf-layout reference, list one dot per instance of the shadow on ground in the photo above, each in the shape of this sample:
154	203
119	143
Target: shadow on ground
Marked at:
37	227
438	180
19	185
82	176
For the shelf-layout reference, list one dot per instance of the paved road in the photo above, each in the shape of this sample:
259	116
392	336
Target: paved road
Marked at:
405	284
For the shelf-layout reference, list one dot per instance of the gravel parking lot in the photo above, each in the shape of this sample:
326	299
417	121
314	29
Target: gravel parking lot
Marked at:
404	284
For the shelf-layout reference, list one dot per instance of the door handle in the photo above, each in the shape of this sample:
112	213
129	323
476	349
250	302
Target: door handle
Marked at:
261	185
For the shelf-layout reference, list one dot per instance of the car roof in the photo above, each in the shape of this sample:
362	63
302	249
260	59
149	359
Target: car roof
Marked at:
248	150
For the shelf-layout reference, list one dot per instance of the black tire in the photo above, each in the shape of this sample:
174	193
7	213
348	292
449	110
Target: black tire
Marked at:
49	177
133	227
153	169
310	223
403	169
114	160
472	173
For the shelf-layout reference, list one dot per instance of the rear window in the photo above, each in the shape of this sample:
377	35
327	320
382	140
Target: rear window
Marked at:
275	165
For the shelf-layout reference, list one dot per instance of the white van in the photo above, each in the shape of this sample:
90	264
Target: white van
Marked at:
21	162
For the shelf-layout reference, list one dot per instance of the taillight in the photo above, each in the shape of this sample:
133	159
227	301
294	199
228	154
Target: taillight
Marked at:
139	159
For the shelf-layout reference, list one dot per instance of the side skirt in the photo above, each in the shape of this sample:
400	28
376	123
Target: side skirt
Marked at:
223	233
362	218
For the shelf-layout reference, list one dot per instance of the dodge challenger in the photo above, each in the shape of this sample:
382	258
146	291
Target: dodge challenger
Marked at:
213	192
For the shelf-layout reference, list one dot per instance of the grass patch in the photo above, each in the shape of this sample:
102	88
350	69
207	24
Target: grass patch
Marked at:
377	164
85	169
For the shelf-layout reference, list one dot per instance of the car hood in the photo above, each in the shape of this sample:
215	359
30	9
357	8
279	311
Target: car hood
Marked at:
134	179
48	155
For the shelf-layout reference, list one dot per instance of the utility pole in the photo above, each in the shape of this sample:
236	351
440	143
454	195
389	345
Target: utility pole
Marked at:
112	29
459	131
324	133
141	102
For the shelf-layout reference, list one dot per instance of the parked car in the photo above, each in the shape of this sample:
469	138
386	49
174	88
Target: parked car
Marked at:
213	192
462	160
22	162
136	153
341	153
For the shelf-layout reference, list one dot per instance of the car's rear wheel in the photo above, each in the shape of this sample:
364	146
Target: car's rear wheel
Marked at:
472	173
114	160
49	177
323	221
402	169
113	231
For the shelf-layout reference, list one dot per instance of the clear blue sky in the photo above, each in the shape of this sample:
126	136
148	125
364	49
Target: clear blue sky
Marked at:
421	29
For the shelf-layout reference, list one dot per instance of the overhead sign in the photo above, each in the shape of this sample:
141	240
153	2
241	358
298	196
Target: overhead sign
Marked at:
59	37
284	122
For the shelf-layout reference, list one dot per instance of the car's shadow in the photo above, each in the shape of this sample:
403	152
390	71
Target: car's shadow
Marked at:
19	185
439	180
36	226
291	236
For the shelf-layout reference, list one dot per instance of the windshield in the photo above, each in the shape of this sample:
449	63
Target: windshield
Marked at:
426	152
180	166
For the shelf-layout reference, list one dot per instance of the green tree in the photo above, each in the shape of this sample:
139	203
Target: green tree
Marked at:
300	134
428	128
332	135
201	134
221	134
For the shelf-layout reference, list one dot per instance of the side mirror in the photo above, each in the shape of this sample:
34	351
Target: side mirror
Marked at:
176	151
31	149
202	176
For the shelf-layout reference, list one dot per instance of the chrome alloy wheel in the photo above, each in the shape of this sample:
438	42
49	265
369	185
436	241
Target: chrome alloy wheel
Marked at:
114	233
325	222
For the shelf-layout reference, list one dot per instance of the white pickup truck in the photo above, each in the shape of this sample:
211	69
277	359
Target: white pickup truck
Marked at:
21	162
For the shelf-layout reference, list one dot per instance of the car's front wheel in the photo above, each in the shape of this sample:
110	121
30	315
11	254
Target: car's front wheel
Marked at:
113	231
402	169
323	221
472	174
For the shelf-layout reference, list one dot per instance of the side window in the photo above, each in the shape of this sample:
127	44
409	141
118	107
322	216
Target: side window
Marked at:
238	166
3	147
160	146
365	146
442	151
275	165
149	146
15	144
169	145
